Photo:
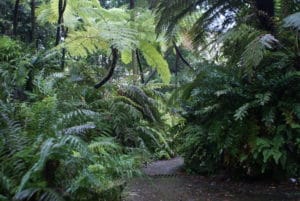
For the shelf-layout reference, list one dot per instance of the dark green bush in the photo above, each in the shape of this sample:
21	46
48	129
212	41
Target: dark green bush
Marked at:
244	116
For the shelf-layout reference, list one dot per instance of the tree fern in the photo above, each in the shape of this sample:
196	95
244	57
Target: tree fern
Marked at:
105	28
180	9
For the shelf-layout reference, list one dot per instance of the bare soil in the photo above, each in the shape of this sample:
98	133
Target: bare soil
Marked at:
164	181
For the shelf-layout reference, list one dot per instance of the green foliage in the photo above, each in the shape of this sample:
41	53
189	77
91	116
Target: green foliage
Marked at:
170	14
77	140
244	121
63	140
60	138
93	30
155	60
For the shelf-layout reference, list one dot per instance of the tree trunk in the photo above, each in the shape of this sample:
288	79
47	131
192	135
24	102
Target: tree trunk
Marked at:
133	53
61	9
111	70
15	17
140	66
176	68
131	4
32	31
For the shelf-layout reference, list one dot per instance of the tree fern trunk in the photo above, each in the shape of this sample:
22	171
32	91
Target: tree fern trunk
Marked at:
15	17
131	4
61	9
32	31
134	56
140	66
176	68
111	69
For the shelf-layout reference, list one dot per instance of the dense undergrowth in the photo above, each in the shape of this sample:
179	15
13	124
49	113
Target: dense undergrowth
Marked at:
242	114
66	140
226	99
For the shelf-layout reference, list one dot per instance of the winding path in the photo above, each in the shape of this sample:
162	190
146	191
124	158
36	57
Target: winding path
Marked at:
163	181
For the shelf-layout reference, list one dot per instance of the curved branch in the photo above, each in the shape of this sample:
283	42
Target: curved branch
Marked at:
181	56
111	69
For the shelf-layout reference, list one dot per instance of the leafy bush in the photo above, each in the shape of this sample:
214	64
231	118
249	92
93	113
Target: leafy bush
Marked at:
244	117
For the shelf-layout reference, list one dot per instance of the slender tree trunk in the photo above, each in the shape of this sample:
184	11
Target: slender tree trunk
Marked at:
61	9
29	82
61	31
176	68
131	4
32	32
63	59
134	66
140	66
133	53
15	17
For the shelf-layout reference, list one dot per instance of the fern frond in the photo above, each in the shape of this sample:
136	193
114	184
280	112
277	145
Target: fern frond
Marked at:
241	112
255	51
45	152
75	143
103	144
292	21
79	129
148	105
44	194
79	113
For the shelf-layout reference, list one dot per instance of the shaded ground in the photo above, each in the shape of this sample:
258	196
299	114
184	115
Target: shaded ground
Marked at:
165	183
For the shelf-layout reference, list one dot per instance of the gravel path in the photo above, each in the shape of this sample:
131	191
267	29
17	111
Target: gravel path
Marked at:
164	182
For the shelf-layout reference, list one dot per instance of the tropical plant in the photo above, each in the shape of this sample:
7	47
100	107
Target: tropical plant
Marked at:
242	116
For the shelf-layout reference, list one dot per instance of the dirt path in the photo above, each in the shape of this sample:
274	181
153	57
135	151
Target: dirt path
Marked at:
165	182
164	167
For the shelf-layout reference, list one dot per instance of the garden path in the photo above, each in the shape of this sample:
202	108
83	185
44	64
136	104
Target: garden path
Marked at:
165	181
